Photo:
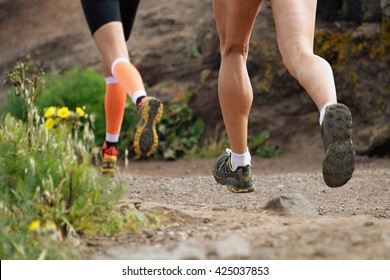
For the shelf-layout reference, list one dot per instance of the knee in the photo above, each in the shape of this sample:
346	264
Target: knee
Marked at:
228	50
295	61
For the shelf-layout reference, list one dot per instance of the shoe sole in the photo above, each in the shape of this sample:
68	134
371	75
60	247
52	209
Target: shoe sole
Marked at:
232	183
339	162
146	138
108	166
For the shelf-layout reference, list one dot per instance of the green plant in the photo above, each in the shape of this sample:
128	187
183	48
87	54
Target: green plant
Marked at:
257	145
213	146
86	86
195	51
50	194
74	88
179	131
71	89
27	81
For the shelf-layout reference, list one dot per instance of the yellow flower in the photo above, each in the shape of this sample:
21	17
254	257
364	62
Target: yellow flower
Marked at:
50	112
63	113
80	112
50	225
50	230
49	124
34	225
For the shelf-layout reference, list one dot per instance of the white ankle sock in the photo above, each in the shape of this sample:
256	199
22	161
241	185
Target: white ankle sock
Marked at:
323	109
113	138
240	159
137	94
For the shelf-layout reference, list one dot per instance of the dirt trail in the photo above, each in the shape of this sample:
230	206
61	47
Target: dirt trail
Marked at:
205	221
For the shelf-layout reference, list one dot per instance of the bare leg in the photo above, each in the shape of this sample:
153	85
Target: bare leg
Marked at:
235	19
295	23
111	44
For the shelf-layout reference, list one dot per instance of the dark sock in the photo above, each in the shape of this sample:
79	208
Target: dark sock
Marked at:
111	144
139	100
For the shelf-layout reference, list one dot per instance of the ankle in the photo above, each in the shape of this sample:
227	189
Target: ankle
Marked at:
240	159
323	110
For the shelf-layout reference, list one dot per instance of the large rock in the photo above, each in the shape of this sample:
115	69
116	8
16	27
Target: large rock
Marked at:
379	143
329	10
350	10
361	10
385	6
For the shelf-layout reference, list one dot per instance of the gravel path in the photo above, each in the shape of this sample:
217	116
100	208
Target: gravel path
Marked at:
203	220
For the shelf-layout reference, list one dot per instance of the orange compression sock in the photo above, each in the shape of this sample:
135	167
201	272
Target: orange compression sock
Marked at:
129	78
114	105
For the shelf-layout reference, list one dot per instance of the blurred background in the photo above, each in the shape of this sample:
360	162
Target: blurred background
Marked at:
175	46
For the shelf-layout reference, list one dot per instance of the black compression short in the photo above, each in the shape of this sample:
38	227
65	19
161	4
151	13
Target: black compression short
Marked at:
100	12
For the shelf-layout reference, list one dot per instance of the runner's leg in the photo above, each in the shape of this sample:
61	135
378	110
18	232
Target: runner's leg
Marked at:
295	23
235	20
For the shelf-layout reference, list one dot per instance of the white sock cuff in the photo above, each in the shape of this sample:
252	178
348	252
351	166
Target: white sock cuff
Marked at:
111	80
240	159
113	138
138	94
323	109
116	61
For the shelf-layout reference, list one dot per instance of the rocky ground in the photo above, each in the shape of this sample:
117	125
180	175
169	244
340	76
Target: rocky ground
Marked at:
203	220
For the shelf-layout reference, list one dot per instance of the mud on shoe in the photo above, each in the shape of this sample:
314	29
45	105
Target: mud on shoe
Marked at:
106	159
339	161
237	181
146	138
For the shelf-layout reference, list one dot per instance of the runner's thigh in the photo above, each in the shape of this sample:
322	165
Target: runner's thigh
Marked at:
99	13
235	20
295	22
128	11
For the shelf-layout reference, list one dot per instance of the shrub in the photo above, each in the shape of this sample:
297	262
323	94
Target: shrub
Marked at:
50	194
179	131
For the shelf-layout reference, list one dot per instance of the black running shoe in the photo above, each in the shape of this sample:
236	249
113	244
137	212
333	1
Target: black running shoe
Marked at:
237	181
146	138
339	162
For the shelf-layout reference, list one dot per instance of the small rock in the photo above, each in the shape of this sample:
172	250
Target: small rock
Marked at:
148	233
294	205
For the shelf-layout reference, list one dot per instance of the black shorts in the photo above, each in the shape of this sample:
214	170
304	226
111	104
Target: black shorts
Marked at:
100	12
